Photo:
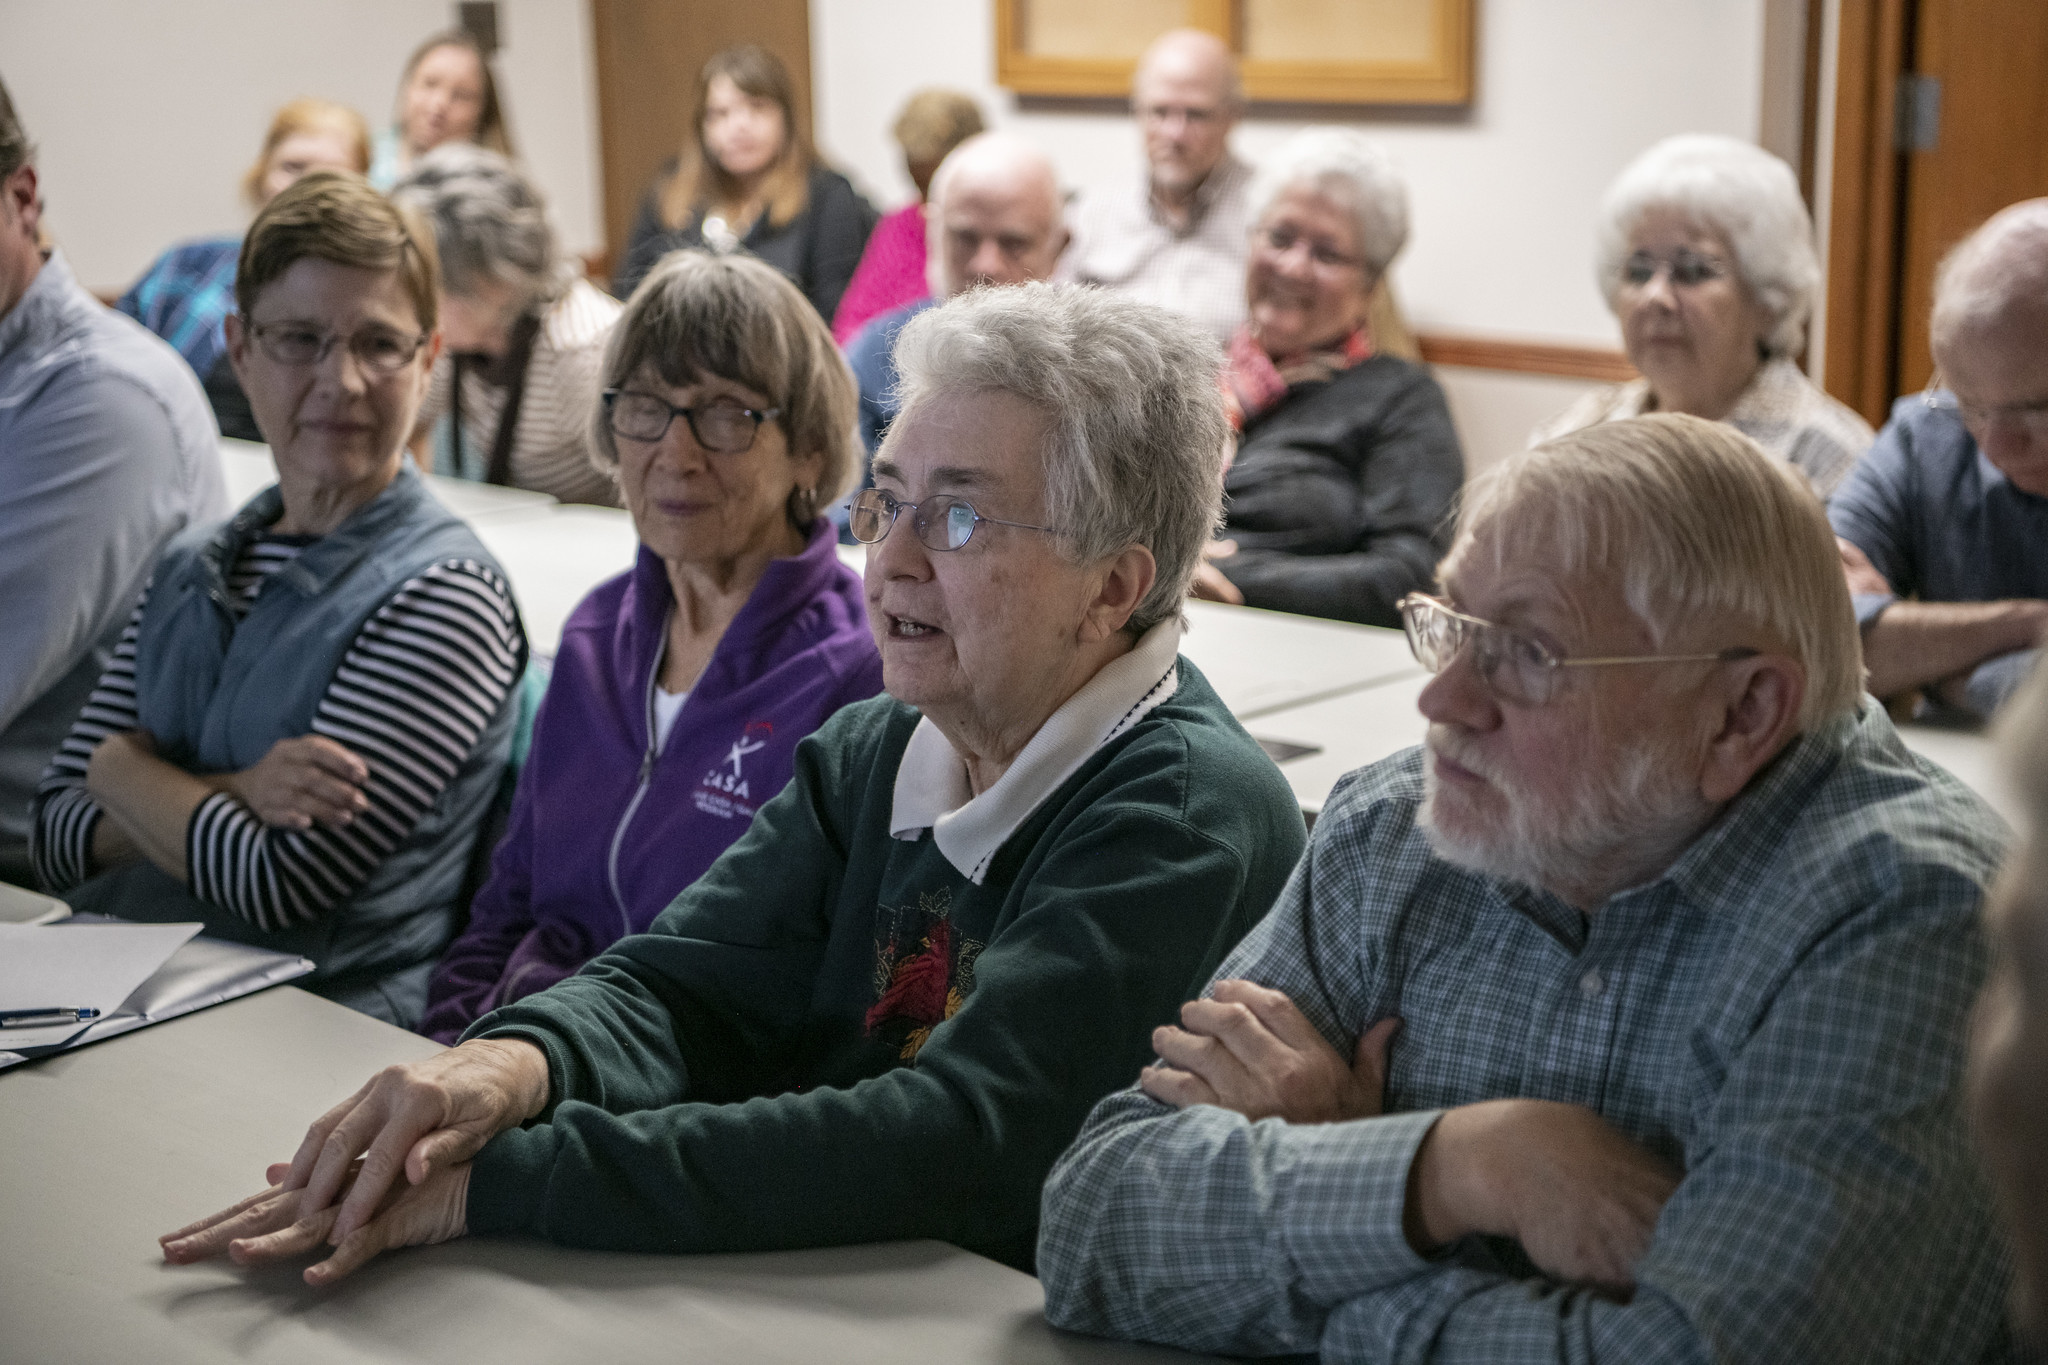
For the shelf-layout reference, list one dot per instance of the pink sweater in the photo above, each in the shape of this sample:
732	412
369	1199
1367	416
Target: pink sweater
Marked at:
890	274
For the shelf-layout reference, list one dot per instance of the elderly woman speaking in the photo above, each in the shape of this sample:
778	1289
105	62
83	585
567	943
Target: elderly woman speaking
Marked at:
1706	256
885	1010
1347	465
307	717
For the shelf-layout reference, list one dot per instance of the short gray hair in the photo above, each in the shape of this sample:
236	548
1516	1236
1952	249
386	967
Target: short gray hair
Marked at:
16	150
1135	425
1344	165
738	318
1695	520
1743	193
490	223
1999	268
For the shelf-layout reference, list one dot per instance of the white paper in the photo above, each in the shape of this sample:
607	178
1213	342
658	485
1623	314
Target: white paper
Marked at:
77	966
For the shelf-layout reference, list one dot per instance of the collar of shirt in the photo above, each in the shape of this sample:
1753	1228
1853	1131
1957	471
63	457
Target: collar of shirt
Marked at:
932	792
43	311
1228	174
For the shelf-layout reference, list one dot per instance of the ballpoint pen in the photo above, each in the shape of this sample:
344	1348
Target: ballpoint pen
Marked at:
46	1018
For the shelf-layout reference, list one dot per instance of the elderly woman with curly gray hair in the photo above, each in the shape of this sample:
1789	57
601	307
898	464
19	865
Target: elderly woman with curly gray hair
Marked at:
1347	464
887	1008
523	331
1706	257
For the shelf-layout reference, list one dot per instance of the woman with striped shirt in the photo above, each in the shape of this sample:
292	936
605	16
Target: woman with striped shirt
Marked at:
309	712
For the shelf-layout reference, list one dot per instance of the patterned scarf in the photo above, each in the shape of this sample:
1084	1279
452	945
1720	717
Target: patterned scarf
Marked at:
1253	383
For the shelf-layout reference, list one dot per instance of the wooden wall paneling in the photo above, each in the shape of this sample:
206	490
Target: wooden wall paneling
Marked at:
1863	232
648	55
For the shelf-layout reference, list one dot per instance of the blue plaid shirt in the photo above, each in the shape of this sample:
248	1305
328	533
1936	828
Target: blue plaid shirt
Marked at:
1782	1012
184	297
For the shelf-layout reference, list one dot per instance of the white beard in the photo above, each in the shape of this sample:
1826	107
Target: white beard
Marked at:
1630	814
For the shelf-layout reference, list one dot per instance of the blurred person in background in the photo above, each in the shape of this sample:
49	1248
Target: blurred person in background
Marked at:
1706	256
1347	466
106	450
523	333
190	290
748	180
892	268
448	93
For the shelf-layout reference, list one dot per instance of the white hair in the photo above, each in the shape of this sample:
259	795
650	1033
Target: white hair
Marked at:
490	223
1134	417
1695	521
1997	270
1739	191
1342	164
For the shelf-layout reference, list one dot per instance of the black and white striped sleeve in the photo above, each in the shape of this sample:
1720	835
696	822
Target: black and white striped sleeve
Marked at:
411	698
60	837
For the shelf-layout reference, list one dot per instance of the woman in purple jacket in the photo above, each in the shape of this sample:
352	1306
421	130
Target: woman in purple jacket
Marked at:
683	685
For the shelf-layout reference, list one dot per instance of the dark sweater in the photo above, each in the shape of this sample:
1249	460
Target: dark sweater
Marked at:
834	1037
1340	497
818	249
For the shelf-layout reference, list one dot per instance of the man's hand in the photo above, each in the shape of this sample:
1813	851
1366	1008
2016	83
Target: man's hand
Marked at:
268	1227
1862	574
1210	585
1251	1050
301	782
1581	1198
419	1118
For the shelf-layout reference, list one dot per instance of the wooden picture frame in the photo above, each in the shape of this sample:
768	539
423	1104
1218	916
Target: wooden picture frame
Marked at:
1440	73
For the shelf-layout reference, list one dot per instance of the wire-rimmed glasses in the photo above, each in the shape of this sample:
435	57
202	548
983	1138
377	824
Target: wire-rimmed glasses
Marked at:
940	522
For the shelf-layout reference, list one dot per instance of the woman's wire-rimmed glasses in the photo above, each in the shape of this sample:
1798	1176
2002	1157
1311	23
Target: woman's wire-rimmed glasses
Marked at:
377	349
721	426
1515	666
940	522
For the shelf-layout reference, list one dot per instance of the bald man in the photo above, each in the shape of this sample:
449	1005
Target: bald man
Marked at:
1175	234
1944	524
995	216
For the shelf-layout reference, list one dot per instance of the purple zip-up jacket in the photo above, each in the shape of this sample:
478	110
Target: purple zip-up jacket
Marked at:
605	831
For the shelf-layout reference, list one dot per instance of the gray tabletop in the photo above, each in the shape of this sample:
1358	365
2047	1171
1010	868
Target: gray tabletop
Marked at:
103	1149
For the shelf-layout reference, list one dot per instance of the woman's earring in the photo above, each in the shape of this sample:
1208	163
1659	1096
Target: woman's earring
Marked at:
803	506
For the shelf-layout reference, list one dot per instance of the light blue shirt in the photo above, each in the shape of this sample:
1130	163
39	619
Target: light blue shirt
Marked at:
107	447
1782	1013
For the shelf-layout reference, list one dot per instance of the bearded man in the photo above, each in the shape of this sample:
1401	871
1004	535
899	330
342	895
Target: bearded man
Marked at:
1623	1021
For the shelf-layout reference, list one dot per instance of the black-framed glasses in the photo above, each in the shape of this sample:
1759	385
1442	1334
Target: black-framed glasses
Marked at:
1515	666
1280	241
941	522
1943	399
378	350
1689	269
721	426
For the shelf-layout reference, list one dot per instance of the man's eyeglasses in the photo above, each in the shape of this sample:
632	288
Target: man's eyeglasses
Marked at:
1943	399
1280	241
1515	667
721	426
1689	269
378	350
941	522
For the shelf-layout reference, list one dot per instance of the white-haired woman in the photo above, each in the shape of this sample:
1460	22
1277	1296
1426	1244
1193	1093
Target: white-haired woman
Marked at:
1706	257
1347	465
524	333
887	1008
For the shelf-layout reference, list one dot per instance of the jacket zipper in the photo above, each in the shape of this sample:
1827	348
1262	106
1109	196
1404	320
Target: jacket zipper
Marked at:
639	794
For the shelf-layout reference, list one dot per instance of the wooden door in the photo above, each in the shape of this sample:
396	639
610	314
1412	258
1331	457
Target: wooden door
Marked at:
1988	130
1941	119
648	55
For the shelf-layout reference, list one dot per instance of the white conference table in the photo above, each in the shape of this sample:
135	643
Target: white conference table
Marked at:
104	1149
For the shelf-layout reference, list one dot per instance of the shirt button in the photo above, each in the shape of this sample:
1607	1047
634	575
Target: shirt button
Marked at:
1590	985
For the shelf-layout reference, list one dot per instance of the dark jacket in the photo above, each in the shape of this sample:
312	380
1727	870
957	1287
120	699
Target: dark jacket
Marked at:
605	829
818	249
1340	498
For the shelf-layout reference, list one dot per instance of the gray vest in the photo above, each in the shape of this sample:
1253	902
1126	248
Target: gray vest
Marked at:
216	694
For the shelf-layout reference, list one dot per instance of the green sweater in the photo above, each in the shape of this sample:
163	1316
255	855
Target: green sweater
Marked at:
834	1037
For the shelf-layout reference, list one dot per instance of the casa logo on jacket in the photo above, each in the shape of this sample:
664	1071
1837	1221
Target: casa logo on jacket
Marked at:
726	790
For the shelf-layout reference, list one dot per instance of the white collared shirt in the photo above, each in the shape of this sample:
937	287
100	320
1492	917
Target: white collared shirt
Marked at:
932	791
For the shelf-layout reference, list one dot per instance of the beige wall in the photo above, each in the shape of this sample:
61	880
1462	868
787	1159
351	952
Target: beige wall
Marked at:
147	112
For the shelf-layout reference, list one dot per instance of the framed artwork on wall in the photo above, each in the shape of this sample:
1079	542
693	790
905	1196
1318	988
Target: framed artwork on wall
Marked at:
1295	51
